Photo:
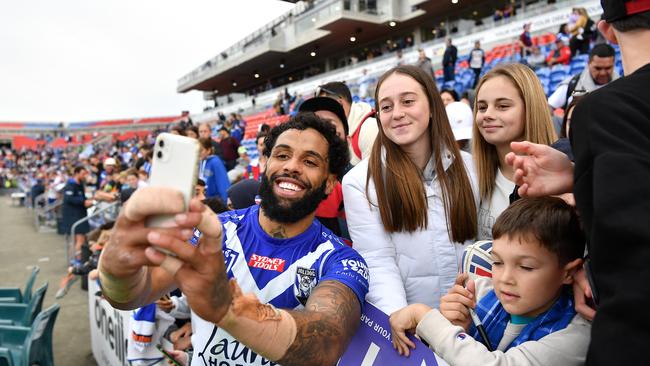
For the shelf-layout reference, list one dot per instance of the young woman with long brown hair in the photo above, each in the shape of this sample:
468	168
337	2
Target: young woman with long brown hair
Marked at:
411	206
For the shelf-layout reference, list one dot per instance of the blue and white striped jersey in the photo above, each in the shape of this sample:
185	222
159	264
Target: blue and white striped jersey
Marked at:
282	272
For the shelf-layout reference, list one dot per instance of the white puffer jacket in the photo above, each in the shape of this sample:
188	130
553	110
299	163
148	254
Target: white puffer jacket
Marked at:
405	268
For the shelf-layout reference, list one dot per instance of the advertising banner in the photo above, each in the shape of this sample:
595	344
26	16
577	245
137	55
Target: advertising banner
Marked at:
370	346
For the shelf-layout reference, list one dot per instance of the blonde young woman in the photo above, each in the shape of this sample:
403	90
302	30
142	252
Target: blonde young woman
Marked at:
510	106
411	206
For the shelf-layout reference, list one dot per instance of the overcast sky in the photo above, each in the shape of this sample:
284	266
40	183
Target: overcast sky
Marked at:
86	60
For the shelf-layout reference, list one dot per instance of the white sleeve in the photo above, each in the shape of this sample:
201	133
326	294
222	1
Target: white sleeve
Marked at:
181	309
373	243
367	137
558	98
567	347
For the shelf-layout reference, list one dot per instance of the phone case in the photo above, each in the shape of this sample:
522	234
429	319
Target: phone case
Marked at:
175	165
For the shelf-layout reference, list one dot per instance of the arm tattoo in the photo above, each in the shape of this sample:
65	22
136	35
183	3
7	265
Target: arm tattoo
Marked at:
325	326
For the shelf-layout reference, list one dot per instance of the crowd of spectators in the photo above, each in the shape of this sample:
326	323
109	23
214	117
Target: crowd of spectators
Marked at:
410	184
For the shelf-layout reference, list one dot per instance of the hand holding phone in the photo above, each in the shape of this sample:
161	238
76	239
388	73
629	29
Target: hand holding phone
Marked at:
174	357
175	165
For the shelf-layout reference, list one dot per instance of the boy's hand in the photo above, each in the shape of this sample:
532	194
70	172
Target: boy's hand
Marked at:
180	357
453	306
403	320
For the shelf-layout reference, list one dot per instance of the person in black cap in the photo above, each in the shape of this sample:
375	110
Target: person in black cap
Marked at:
363	128
242	194
610	135
330	211
329	110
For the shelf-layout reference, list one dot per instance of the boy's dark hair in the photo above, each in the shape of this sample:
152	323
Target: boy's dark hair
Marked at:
78	168
549	220
338	154
602	50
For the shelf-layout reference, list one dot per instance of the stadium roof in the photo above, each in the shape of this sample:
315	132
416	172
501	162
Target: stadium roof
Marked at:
266	60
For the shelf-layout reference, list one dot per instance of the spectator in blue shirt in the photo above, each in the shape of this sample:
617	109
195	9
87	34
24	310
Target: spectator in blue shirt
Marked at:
213	172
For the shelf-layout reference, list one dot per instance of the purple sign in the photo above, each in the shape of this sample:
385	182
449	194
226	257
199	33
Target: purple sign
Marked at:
371	345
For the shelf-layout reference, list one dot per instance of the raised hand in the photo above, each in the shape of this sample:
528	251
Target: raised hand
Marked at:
405	320
454	304
124	256
540	170
199	271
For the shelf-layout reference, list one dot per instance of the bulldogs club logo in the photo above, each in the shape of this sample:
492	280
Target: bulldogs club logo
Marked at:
305	282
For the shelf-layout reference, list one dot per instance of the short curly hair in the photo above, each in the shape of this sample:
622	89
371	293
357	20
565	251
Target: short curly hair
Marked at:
338	154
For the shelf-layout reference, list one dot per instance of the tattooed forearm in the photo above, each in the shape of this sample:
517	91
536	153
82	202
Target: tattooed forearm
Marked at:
325	327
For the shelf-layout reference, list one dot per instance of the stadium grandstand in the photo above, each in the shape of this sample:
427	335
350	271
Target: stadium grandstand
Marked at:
256	83
356	41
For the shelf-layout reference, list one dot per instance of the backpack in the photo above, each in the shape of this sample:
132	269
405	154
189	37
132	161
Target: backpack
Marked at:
354	139
570	88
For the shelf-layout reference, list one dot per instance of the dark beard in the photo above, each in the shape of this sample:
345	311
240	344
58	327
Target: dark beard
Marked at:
296	210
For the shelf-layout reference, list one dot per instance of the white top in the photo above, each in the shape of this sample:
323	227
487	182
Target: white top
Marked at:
558	98
492	208
368	133
566	347
476	58
406	268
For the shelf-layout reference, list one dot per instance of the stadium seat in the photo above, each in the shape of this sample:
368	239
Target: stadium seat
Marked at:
560	68
29	345
543	72
552	86
584	58
449	85
14	295
23	314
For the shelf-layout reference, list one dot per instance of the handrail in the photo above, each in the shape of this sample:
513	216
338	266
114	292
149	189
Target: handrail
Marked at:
40	197
42	212
70	237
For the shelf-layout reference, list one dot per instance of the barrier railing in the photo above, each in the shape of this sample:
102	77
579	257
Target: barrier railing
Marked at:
46	215
112	209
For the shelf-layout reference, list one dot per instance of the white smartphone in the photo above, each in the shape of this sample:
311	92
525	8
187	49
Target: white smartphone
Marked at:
175	165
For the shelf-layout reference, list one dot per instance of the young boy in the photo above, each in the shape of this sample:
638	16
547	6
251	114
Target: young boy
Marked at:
526	308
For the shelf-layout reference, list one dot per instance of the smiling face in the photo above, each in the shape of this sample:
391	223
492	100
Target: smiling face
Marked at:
527	277
297	176
404	112
500	112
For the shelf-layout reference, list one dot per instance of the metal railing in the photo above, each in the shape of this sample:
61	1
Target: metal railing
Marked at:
69	239
46	214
